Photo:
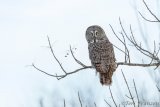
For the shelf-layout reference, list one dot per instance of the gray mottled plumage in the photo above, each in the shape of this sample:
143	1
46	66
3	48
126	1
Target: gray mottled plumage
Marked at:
101	53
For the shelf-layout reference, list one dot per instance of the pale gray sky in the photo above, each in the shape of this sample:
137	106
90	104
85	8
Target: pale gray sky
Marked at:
24	26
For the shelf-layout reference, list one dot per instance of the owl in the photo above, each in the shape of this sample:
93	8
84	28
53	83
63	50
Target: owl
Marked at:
101	53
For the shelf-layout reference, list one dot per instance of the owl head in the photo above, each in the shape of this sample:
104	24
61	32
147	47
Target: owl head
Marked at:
95	34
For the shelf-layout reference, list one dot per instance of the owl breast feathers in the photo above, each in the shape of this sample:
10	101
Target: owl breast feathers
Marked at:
101	53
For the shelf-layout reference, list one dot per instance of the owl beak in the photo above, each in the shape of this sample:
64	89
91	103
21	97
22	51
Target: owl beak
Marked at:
94	39
94	35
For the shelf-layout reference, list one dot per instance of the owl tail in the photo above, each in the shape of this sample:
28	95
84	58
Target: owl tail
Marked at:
105	74
106	77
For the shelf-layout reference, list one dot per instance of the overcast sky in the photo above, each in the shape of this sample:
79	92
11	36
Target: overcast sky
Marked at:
24	26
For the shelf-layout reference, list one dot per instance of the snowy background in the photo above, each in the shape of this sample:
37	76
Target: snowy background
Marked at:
24	26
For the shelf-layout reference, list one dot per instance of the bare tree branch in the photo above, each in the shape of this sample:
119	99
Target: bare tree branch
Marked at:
126	49
124	43
131	96
112	97
136	64
157	19
61	76
158	88
124	39
55	56
41	102
136	92
107	103
64	103
153	56
155	61
119	49
62	68
79	99
145	52
95	104
79	62
133	41
146	18
151	11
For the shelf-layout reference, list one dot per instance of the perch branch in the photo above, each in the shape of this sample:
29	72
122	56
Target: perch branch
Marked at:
61	76
155	61
62	68
153	56
136	64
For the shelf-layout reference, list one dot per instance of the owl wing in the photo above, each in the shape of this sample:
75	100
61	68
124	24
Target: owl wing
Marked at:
103	59
108	64
101	52
108	56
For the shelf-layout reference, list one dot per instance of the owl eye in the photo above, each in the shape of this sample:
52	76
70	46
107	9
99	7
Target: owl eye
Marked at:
91	33
97	33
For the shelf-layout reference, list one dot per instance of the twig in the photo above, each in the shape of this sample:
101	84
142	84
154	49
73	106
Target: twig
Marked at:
153	56
131	97
138	47
80	100
44	71
61	76
84	66
119	49
107	103
65	73
158	88
157	19
123	42
151	11
95	104
119	105
112	97
146	18
41	102
154	52
136	92
126	52
133	40
64	103
79	62
55	56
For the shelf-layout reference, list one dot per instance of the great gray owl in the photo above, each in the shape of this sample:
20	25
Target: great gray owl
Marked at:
101	53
